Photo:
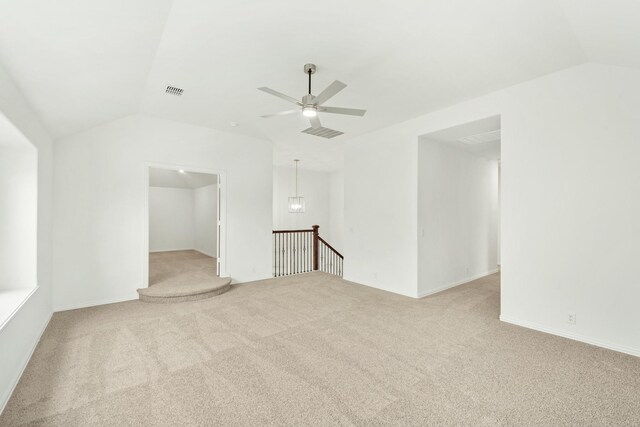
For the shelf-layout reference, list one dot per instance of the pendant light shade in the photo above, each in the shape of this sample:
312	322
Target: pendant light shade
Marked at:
296	203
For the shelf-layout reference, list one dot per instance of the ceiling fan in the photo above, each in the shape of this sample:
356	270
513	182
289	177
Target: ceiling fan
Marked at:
311	105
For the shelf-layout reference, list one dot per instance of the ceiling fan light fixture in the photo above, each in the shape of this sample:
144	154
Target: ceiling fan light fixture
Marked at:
309	111
312	105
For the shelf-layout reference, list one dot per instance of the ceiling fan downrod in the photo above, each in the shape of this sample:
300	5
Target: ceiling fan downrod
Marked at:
309	69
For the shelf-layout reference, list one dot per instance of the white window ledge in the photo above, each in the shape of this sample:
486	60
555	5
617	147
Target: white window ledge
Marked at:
10	302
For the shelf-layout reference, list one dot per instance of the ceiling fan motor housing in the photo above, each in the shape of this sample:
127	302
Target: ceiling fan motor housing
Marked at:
312	105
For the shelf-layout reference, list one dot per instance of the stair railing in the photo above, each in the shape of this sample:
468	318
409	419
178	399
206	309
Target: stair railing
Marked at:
302	251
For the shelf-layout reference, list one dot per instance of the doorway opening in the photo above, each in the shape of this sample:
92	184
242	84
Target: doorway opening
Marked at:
185	229
459	205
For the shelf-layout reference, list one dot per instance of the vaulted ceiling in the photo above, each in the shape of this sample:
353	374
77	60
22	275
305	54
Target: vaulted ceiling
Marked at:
82	63
169	178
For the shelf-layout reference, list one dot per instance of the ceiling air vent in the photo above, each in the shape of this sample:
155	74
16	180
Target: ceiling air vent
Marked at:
172	90
323	132
479	138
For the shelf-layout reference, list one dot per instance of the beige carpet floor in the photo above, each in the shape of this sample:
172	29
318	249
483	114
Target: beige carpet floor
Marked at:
180	266
316	350
182	275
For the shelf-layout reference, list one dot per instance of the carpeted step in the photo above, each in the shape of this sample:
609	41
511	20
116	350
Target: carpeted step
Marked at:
184	289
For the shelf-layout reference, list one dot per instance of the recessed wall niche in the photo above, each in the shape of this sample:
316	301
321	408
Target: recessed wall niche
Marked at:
18	209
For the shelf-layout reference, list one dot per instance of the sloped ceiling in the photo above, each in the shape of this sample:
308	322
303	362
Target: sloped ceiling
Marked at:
608	31
85	62
489	149
81	63
170	178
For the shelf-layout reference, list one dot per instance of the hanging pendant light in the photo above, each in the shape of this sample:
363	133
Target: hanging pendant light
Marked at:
296	203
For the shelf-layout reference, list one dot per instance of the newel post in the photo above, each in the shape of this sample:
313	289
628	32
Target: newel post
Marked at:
315	246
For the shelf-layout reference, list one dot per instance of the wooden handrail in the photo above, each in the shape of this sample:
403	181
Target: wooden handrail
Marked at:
330	247
302	251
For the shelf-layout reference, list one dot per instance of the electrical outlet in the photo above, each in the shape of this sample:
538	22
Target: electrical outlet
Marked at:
571	318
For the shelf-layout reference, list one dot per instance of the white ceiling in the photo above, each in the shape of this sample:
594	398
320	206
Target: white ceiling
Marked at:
10	136
82	63
490	150
159	177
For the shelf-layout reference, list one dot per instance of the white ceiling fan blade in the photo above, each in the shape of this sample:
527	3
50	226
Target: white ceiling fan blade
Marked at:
340	110
315	122
281	113
280	95
330	91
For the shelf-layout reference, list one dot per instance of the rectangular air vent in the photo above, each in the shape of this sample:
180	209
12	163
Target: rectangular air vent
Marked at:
479	138
172	90
323	132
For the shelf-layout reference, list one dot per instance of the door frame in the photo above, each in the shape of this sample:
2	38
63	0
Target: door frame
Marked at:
221	244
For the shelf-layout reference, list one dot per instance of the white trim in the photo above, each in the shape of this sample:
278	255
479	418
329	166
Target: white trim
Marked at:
184	249
378	287
453	285
93	303
222	206
173	250
24	365
205	253
572	336
8	318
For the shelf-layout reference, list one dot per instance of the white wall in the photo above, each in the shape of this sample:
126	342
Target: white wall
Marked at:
336	211
570	205
380	210
314	187
457	216
101	180
18	216
569	178
171	219
20	335
183	218
205	219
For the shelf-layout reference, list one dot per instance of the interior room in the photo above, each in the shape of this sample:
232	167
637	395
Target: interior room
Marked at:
183	231
319	213
458	205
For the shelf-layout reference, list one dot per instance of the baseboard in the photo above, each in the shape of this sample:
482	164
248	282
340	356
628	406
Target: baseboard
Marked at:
26	362
75	306
204	253
453	285
380	288
576	337
171	250
183	249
